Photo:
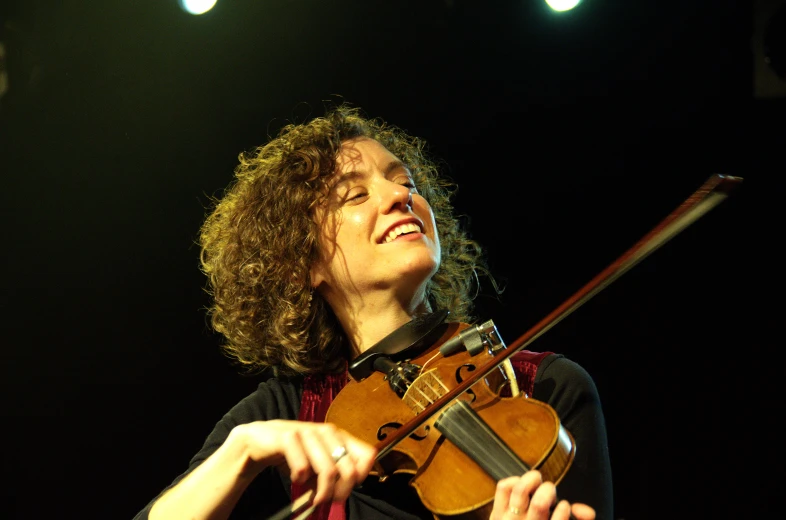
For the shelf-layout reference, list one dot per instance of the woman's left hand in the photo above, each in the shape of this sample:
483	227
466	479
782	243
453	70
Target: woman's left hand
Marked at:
528	497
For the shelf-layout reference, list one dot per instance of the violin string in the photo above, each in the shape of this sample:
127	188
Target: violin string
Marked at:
429	401
429	361
439	391
424	397
429	387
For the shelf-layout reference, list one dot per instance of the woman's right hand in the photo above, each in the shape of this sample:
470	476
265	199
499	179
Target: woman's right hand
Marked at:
311	453
303	449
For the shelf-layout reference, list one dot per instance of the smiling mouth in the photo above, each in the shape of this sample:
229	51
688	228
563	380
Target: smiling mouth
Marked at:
403	229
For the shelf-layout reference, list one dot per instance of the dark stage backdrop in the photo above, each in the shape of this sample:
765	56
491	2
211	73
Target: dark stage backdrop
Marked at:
571	136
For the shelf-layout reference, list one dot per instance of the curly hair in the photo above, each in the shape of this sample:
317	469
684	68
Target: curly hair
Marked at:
259	241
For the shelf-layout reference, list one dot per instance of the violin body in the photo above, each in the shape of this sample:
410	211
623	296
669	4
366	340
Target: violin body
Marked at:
449	480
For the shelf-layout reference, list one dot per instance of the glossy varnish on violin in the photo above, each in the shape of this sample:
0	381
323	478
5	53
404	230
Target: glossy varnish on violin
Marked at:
449	482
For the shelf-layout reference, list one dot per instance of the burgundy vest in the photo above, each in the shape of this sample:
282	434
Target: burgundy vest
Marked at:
320	390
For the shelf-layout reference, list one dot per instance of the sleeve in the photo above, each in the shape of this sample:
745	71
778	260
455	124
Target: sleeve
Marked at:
270	490
569	389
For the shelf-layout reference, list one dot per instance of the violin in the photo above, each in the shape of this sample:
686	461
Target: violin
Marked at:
447	408
481	437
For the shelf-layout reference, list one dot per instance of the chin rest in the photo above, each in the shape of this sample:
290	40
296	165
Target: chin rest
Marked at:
407	341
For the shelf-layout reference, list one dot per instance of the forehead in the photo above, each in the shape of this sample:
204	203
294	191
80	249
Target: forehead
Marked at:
363	153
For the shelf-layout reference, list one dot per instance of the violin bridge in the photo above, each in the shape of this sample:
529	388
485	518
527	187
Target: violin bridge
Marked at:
424	391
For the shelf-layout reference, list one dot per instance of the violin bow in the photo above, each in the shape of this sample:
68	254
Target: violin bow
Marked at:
714	191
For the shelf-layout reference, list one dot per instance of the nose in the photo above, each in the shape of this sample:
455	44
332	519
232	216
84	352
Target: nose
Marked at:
398	197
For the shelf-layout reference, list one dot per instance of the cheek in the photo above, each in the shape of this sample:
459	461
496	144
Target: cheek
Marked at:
353	228
423	211
356	220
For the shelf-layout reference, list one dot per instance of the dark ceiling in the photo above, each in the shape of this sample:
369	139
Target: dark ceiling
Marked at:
571	135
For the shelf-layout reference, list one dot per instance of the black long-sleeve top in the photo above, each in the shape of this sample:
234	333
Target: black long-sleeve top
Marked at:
559	382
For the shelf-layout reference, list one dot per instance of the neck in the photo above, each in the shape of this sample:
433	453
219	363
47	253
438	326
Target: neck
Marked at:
368	323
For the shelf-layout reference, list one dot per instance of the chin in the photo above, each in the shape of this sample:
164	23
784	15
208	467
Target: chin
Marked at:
425	269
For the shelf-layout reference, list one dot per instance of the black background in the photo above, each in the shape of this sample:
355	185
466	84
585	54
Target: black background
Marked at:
571	136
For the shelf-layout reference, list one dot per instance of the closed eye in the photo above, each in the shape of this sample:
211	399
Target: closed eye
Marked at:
406	181
356	196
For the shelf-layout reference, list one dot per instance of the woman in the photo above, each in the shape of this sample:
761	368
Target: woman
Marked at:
332	236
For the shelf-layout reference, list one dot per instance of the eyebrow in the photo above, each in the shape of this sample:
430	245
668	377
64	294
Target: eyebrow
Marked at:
394	165
390	168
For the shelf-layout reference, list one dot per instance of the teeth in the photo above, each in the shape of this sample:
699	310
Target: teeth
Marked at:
400	230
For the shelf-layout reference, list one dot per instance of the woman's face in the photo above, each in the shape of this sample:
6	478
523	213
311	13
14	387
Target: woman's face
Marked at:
378	235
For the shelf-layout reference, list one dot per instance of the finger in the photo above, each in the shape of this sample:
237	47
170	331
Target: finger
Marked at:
561	511
297	459
502	497
520	494
341	461
583	512
353	468
541	501
319	444
528	483
362	454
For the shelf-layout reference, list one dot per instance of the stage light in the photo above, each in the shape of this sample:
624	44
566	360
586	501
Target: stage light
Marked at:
562	5
197	6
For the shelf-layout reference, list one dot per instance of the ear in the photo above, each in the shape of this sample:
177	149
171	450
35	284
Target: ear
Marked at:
317	274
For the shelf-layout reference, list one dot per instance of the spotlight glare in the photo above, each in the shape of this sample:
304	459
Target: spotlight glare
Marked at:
562	5
197	6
